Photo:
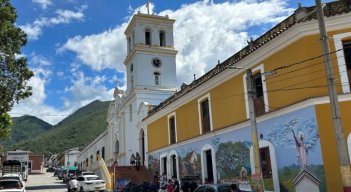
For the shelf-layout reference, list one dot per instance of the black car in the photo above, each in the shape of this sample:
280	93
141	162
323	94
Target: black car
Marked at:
214	188
189	183
50	169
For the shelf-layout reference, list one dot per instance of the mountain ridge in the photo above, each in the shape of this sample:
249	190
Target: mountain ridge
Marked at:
76	130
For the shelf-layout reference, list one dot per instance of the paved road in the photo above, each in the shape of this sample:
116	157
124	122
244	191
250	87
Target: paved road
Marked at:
45	183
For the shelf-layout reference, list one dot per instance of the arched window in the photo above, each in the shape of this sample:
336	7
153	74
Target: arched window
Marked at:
97	155
157	77
147	37
129	44
172	138
162	38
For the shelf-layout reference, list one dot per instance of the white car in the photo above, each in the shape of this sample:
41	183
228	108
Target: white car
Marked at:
15	176
91	183
10	185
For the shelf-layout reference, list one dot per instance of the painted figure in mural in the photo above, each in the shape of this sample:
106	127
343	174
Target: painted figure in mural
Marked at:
301	149
243	175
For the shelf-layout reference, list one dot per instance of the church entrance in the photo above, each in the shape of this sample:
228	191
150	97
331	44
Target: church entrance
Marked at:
209	166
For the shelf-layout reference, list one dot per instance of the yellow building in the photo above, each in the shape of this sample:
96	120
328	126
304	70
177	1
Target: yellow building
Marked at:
204	129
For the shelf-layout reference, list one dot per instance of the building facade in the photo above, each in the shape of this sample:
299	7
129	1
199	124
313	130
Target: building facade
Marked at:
204	128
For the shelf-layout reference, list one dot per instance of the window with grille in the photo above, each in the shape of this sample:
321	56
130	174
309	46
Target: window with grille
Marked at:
172	130
157	78
347	56
205	116
258	94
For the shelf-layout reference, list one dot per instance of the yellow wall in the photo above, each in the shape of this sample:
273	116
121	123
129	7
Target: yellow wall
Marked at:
328	141
288	86
157	134
187	121
228	103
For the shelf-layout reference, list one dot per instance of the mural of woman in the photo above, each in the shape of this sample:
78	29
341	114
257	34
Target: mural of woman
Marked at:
301	149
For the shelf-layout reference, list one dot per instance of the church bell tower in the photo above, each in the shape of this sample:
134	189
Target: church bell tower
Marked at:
151	56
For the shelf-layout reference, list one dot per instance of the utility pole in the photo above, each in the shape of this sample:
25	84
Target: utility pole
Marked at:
334	103
254	135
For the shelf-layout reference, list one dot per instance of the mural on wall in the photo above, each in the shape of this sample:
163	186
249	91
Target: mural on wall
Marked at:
295	139
190	164
154	163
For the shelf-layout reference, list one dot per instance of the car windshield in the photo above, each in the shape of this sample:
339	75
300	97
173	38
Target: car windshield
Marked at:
11	177
93	178
224	189
9	184
88	173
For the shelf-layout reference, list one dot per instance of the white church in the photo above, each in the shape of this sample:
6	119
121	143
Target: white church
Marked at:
151	78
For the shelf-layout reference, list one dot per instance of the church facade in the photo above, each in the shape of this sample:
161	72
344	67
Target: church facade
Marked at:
203	129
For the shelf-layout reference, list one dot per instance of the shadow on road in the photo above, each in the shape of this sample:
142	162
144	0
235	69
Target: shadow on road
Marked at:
46	187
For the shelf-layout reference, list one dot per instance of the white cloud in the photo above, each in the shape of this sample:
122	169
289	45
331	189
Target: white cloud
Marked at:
85	90
44	4
34	29
221	30
100	51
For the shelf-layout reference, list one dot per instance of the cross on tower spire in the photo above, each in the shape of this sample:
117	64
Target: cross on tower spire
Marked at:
148	6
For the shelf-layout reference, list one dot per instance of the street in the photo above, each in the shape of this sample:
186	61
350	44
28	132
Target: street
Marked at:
45	183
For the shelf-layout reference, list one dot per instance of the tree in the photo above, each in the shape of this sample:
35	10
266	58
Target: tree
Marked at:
14	72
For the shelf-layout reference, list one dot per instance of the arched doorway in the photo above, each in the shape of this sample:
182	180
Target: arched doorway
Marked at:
208	164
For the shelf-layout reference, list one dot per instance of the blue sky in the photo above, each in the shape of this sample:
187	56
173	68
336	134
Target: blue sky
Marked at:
76	48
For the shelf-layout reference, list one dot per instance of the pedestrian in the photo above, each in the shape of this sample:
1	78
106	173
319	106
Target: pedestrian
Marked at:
176	187
233	188
132	160
137	159
163	178
157	180
169	186
73	184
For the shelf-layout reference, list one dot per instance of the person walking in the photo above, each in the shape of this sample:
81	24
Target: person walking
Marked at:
132	160
176	186
169	186
138	160
157	180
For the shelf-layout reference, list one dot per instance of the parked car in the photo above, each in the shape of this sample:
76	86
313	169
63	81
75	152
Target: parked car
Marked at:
50	169
15	176
11	185
189	183
91	183
87	173
213	188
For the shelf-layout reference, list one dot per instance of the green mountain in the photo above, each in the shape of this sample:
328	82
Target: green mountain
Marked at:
25	128
77	130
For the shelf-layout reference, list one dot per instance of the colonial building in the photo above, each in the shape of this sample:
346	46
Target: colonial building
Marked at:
204	128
